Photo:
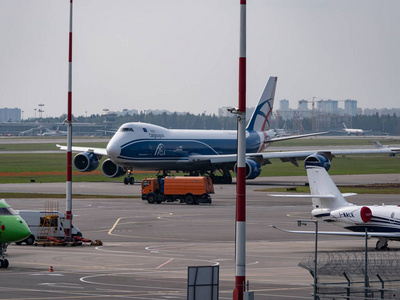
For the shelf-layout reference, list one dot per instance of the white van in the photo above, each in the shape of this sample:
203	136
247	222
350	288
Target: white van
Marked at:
35	219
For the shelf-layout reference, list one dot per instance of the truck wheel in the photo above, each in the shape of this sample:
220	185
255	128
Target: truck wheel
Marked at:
5	264
189	199
30	240
151	198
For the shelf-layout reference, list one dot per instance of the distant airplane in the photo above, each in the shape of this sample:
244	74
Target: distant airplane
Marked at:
394	150
330	205
351	131
143	146
12	229
281	131
58	132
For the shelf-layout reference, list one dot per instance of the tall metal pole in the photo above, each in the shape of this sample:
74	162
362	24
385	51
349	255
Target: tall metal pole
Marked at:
68	210
316	261
366	279
241	165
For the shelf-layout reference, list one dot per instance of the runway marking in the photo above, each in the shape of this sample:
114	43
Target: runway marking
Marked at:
62	285
168	261
115	225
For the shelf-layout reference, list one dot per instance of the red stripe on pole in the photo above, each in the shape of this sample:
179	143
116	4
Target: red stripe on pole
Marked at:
69	166
243	2
241	195
239	284
69	116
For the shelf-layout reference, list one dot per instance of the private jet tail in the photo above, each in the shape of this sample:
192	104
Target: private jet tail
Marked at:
261	118
326	197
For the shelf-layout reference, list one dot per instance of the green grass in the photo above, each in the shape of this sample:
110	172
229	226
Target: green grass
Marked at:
21	168
355	164
323	142
45	146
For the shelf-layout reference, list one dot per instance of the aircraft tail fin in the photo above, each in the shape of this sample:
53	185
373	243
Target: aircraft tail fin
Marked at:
378	145
261	118
322	184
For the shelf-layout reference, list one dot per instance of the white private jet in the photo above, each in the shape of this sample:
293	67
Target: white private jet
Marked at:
330	205
355	131
142	146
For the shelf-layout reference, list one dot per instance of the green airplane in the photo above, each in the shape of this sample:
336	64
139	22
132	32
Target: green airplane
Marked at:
12	229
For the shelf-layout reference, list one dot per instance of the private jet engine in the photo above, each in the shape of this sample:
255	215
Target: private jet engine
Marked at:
253	169
111	170
317	160
353	214
86	162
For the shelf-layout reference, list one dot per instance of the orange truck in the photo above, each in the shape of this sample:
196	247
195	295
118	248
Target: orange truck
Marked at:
190	190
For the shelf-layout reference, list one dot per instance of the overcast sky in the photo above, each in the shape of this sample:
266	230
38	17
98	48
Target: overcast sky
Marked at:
182	55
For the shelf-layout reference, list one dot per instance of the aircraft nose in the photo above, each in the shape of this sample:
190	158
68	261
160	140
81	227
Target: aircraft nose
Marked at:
21	231
113	150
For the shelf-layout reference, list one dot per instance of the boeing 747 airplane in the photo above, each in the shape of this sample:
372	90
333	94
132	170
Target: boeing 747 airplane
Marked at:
143	146
330	205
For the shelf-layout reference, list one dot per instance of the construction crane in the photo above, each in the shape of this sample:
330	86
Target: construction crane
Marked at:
312	111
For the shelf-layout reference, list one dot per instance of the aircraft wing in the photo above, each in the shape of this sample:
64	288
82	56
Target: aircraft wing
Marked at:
311	196
288	156
291	137
97	151
345	233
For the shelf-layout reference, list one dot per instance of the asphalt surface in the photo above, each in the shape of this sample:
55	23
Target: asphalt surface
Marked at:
147	248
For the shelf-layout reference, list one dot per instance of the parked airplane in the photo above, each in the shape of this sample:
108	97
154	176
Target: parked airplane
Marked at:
143	146
330	205
12	229
351	131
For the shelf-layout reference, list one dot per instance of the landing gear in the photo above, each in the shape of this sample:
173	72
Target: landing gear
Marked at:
3	261
129	179
226	177
382	244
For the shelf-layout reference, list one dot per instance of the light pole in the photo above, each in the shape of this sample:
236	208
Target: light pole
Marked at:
41	111
304	222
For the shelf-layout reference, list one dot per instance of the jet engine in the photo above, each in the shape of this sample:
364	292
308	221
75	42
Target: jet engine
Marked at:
86	162
317	160
111	170
353	214
253	169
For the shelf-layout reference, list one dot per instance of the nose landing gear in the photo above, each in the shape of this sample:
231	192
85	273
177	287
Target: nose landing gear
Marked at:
129	179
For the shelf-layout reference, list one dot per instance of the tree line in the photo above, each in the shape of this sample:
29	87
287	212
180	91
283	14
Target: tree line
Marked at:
382	124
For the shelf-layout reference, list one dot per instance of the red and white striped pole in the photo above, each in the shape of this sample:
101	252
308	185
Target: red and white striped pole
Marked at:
240	245
68	211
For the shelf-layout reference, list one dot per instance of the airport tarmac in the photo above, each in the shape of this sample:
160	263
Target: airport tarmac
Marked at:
147	248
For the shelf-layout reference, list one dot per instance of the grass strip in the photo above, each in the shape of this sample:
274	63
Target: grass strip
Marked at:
374	189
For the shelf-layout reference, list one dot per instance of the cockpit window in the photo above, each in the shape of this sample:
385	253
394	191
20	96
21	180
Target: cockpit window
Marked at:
144	129
124	129
4	211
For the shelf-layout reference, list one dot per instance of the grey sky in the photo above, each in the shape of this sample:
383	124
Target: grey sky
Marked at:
182	55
